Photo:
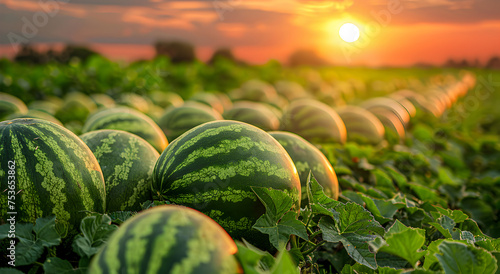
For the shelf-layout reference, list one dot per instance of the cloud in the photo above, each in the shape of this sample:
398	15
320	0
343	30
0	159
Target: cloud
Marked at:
232	30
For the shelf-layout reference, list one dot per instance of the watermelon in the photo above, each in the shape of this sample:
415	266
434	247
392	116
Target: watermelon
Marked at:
254	90
307	158
253	113
130	120
167	239
55	173
313	121
102	100
76	107
165	99
361	125
47	106
10	104
177	120
212	168
208	99
37	114
134	101
383	103
127	163
290	90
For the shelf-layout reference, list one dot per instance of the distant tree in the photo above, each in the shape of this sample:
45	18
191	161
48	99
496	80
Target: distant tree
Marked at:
223	53
306	57
28	54
493	63
76	51
177	51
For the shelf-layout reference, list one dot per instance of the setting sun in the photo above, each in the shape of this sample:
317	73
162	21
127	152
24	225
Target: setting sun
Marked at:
349	32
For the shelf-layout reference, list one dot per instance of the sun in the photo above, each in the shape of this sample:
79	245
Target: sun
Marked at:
349	32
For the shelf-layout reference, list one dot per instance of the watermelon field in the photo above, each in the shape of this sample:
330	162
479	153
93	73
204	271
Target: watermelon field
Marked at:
156	167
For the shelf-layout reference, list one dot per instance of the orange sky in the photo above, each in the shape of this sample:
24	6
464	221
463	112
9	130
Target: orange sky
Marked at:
423	31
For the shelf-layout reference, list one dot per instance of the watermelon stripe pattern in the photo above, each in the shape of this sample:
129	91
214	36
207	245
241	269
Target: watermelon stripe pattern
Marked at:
130	120
127	163
56	173
307	158
314	121
10	104
211	168
255	114
167	239
177	120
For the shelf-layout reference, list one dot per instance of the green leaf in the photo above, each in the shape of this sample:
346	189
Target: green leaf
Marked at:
444	225
382	179
354	227
389	270
456	215
250	258
24	232
119	217
4	270
432	250
404	242
357	268
489	244
45	230
285	264
383	210
96	230
56	265
28	252
278	221
457	257
318	201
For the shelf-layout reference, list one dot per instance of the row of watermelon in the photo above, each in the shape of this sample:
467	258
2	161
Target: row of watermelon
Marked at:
210	168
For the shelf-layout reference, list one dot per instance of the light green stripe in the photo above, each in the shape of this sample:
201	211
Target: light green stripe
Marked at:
226	146
139	191
230	224
164	243
105	146
30	198
83	153
302	167
121	172
200	251
228	195
205	134
136	246
243	168
51	183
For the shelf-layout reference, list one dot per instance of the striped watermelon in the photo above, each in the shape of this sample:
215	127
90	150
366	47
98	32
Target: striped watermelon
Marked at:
165	99
55	173
48	106
313	121
127	163
10	104
77	106
130	120
361	125
134	101
102	100
254	90
212	167
177	120
37	114
208	99
306	158
167	239
253	113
